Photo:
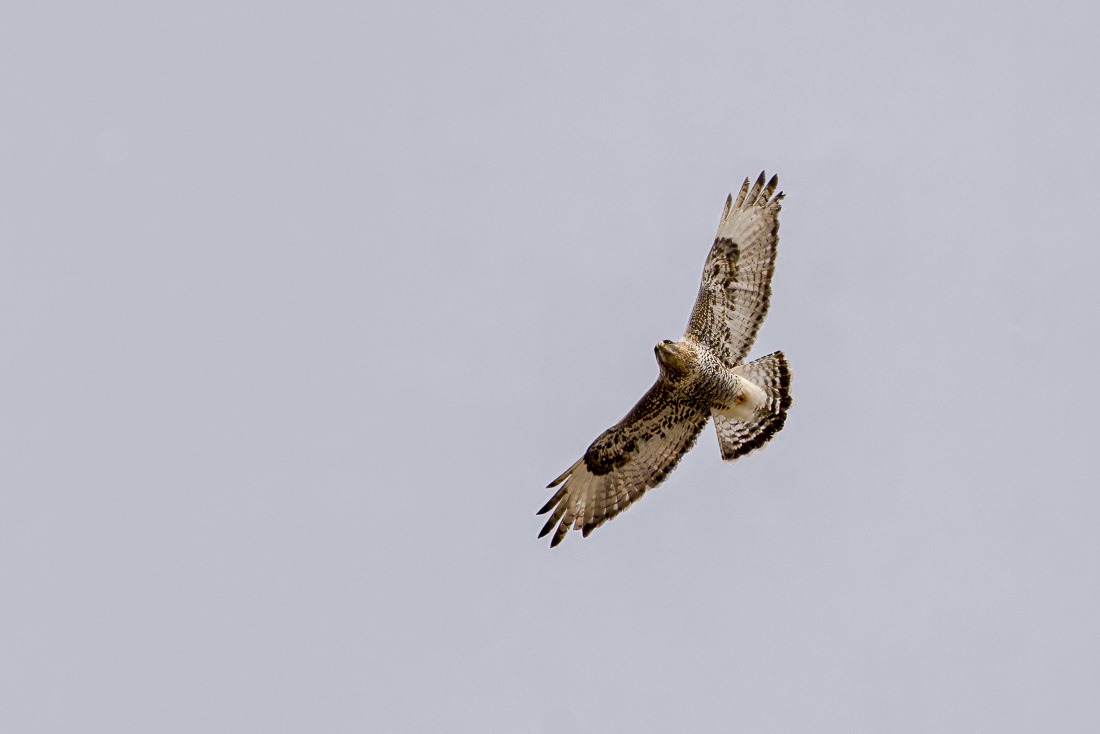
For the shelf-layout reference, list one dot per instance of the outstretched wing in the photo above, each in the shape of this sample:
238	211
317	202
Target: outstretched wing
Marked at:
736	285
635	454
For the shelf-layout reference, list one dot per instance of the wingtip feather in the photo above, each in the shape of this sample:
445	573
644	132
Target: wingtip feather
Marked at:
754	194
562	530
564	475
741	194
553	501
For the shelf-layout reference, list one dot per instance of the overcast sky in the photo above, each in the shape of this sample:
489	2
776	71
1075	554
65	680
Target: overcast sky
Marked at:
303	305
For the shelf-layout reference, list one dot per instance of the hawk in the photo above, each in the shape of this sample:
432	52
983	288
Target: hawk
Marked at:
702	377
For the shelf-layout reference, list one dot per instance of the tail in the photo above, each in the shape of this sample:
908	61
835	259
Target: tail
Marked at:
773	375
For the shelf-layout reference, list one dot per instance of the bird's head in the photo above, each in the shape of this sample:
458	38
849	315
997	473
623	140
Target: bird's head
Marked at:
676	358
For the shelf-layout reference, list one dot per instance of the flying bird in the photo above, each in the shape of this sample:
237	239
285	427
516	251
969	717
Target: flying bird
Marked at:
702	377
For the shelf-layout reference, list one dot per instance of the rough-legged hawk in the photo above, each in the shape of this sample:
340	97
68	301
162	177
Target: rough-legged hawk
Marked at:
702	377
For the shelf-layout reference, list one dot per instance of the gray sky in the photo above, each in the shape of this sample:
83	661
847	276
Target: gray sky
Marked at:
302	307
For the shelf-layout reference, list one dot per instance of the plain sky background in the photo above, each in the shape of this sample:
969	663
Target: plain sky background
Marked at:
302	305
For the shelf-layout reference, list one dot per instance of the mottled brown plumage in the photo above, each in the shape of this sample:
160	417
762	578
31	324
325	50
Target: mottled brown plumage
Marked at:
701	377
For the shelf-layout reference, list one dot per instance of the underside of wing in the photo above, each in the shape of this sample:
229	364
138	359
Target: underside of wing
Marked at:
736	284
629	458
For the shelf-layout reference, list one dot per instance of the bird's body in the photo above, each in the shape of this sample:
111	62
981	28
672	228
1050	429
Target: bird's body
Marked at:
701	378
694	375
